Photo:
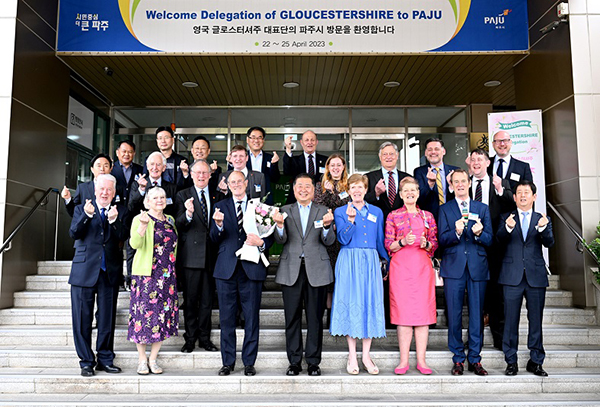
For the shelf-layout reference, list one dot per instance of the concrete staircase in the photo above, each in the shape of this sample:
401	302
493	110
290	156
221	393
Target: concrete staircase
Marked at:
38	364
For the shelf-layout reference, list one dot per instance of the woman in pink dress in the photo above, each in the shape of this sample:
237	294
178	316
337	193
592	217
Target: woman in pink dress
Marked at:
411	240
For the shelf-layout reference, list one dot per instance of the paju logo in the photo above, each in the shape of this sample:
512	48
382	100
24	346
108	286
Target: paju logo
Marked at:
498	20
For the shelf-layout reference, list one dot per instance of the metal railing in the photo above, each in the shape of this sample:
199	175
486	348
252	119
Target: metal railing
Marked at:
6	246
580	243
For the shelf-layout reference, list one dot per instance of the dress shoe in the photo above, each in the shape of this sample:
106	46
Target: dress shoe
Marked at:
249	371
536	369
208	346
87	371
314	370
293	370
424	370
458	369
188	347
108	368
477	369
374	370
226	370
511	369
401	370
351	370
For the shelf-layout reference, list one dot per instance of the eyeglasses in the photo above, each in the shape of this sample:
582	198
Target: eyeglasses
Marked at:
503	141
201	172
388	154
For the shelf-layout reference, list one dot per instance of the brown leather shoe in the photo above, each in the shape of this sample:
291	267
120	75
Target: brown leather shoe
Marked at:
458	369
477	369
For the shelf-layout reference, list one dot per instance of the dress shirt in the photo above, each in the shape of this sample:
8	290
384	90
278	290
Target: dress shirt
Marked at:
386	177
485	189
505	165
520	212
107	208
256	162
304	214
126	171
235	205
314	158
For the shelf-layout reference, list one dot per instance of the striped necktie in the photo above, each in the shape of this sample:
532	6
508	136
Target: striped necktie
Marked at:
478	191
391	188
440	187
311	165
240	216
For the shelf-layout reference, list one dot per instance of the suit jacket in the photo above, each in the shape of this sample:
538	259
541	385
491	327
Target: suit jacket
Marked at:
257	186
122	185
466	250
383	202
92	239
524	257
428	198
179	180
135	203
312	244
271	172
84	191
195	249
517	171
229	241
498	203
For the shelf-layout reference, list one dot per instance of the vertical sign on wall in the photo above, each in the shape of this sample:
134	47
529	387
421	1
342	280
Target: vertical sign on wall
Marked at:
81	124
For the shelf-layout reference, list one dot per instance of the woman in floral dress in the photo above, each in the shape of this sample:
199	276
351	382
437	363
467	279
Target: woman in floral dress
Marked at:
153	310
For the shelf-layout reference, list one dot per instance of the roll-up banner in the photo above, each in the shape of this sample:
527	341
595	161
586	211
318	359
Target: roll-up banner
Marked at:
239	27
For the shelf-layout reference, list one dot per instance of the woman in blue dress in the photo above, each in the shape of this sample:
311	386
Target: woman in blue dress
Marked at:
357	311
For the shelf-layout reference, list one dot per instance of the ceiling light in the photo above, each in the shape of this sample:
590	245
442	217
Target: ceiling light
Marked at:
190	84
491	84
290	85
220	136
289	119
391	84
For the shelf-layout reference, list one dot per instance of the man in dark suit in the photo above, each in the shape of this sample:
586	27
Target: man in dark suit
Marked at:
465	230
384	183
201	151
495	192
100	164
257	186
176	170
309	162
524	274
156	164
98	229
506	166
304	273
196	256
434	188
237	278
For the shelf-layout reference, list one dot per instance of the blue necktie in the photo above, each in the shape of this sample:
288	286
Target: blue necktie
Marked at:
525	225
103	219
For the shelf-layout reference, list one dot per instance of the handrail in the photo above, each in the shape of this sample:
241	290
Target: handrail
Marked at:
580	240
6	244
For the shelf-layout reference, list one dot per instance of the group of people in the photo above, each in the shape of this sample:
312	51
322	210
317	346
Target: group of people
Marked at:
359	245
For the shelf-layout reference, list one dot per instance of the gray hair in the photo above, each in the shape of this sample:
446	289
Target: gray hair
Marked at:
108	177
154	154
387	144
151	193
201	160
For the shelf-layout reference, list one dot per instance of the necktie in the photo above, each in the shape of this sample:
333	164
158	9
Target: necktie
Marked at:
311	165
203	207
240	216
103	215
154	183
391	188
465	210
499	171
103	219
525	225
478	191
440	187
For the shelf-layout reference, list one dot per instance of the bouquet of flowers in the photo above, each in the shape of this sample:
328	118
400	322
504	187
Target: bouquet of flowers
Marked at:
258	219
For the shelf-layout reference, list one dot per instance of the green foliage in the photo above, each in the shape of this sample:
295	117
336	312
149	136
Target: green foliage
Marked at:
594	247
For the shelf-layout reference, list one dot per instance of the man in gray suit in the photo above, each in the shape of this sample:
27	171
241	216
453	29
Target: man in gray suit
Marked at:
304	272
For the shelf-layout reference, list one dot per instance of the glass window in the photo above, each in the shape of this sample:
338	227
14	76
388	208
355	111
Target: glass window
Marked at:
290	117
437	117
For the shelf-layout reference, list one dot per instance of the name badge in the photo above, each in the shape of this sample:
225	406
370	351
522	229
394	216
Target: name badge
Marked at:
268	164
372	218
321	170
169	201
137	176
343	195
170	166
117	198
318	224
515	177
474	217
257	188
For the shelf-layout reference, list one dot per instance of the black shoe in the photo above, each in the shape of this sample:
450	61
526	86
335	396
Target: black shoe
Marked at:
249	371
226	370
477	369
511	369
497	341
208	345
108	368
314	370
536	369
293	370
87	371
458	369
188	347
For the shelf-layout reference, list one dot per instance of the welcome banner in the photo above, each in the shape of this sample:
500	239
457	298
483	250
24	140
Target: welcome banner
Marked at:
292	26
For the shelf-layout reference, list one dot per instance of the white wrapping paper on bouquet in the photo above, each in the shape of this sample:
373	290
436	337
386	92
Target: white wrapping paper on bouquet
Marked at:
252	253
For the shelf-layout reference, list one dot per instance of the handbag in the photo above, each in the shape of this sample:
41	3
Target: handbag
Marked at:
439	281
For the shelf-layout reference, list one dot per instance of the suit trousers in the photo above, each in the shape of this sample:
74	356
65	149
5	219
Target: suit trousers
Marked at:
249	292
198	293
82	312
314	300
513	299
454	290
